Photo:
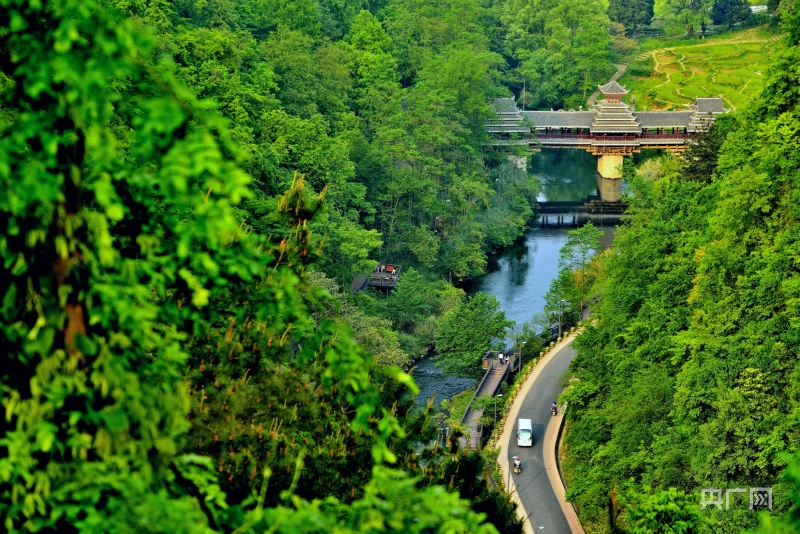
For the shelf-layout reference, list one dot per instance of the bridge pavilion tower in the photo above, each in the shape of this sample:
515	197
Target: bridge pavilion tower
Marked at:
617	127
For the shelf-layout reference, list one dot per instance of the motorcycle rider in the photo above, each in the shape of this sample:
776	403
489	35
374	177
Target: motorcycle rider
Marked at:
553	408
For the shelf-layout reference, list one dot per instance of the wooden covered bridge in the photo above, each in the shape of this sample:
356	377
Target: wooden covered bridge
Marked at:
610	130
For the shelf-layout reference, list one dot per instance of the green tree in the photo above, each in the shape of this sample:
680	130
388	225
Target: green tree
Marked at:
576	253
631	13
687	16
391	503
98	242
466	333
265	418
370	330
562	48
349	247
424	30
696	323
374	71
791	522
122	256
702	153
667	511
730	12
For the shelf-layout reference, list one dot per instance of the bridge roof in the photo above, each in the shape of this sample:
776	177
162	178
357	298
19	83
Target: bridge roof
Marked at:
664	119
612	88
708	105
607	116
584	119
560	119
504	105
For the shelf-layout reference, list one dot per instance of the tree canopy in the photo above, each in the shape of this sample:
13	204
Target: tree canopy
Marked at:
148	330
467	332
730	12
688	379
189	189
632	14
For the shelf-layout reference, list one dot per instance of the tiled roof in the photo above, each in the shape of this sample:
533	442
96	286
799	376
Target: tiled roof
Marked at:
559	119
663	119
708	105
504	105
612	88
507	128
605	117
614	117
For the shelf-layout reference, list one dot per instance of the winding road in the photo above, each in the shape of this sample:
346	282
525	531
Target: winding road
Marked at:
532	487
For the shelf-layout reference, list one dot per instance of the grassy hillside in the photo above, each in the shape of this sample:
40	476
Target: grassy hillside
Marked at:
671	73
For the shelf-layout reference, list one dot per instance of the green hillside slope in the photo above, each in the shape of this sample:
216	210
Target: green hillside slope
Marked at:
672	73
689	380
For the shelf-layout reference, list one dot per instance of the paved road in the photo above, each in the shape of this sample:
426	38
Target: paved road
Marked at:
534	488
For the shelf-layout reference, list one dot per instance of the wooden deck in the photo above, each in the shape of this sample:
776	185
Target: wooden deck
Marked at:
385	275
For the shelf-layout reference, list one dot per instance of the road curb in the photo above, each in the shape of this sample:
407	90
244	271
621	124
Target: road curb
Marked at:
550	450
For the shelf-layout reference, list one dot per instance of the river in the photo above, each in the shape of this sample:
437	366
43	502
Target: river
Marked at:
520	276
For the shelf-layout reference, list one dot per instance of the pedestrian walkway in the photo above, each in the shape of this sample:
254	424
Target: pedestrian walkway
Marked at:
496	372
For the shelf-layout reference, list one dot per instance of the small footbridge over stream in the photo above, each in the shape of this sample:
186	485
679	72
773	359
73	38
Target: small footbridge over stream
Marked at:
576	214
498	366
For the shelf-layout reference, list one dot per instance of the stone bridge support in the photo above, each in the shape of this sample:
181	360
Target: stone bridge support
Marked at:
609	177
609	168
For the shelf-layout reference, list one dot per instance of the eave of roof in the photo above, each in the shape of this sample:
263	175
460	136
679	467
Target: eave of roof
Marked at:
504	105
612	88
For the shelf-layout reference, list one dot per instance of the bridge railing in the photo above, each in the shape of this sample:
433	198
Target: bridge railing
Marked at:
478	390
594	137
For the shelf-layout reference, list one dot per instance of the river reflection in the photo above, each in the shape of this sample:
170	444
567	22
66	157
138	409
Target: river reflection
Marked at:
521	275
566	175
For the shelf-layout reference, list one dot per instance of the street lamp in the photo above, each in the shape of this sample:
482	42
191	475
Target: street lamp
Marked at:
520	355
560	315
495	407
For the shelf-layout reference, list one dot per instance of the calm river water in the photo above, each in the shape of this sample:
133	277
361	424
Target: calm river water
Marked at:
520	276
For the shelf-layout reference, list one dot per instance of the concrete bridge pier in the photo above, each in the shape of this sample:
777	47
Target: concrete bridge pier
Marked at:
609	177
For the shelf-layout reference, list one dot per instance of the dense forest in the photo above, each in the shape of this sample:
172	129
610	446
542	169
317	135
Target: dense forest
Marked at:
189	187
689	376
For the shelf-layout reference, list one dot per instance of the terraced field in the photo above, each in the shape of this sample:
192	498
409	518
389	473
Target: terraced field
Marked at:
731	66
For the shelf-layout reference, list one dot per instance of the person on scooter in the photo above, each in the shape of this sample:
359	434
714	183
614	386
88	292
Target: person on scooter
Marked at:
517	465
553	408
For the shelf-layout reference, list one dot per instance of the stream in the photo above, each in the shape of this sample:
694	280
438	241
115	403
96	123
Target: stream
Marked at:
520	275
